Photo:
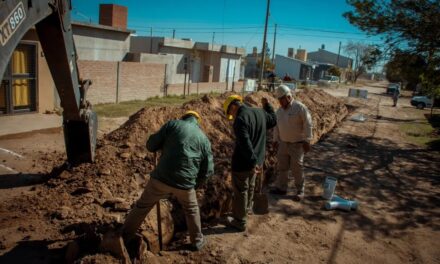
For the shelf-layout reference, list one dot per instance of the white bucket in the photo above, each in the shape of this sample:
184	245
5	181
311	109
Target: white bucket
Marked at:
329	186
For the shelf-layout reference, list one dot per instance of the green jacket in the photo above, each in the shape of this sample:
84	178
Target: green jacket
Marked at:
250	128
186	158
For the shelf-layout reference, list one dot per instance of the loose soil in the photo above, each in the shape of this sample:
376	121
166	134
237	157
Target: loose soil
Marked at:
48	206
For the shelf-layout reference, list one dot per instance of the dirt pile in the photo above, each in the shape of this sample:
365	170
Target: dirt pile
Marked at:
100	194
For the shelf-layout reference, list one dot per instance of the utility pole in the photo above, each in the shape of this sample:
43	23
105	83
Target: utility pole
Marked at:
337	59
151	39
174	33
212	52
339	52
263	52
213	36
233	77
185	68
274	41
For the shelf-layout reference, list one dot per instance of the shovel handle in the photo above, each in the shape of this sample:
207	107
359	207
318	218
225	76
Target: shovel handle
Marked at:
261	180
159	218
159	224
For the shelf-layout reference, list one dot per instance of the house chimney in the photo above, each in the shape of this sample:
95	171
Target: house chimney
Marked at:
301	54
254	51
322	46
290	52
113	15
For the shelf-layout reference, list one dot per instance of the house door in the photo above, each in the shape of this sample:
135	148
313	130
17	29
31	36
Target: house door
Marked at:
18	91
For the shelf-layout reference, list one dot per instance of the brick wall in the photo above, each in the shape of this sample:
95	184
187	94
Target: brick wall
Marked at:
203	87
139	81
136	81
104	80
113	15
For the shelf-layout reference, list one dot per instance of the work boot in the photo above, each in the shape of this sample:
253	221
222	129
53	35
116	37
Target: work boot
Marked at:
250	209
278	191
198	245
299	196
231	222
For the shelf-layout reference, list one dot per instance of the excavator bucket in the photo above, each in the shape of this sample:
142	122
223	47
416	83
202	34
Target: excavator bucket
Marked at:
80	139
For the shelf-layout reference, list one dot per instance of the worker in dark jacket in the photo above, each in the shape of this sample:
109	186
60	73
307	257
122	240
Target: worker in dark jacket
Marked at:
250	126
185	163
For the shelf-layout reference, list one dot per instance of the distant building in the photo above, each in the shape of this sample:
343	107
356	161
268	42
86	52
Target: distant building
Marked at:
198	61
323	60
324	56
296	69
250	62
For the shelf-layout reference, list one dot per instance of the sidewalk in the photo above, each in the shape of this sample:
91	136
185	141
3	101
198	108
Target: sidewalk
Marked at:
28	122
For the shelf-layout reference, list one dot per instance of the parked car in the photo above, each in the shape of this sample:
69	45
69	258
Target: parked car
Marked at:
328	80
421	101
392	87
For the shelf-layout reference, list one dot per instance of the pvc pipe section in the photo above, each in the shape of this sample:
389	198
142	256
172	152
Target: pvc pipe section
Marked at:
339	203
334	201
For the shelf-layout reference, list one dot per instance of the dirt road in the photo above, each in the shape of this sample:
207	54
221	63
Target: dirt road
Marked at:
395	183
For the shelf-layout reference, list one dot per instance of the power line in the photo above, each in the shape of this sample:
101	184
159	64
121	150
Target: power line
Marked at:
287	28
251	38
331	37
260	31
280	27
198	28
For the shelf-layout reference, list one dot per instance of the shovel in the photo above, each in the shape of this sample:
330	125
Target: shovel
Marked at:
261	203
159	218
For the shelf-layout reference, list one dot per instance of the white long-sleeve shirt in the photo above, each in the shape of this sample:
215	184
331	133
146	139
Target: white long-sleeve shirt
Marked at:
294	124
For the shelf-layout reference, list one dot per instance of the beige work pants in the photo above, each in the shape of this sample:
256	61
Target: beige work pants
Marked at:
156	190
290	158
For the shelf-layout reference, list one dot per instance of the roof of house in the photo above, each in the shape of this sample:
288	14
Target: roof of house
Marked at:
320	51
189	44
295	60
102	27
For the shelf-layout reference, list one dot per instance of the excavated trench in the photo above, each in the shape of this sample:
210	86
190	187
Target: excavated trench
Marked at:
91	200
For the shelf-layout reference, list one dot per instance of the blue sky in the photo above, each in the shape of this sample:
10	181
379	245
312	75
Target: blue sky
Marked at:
301	23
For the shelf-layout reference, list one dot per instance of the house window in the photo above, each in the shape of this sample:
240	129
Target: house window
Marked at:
18	92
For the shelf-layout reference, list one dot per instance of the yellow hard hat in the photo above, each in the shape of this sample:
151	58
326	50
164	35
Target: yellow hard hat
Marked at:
193	113
228	101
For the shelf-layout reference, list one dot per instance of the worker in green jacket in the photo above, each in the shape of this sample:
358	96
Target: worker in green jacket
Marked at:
250	126
185	164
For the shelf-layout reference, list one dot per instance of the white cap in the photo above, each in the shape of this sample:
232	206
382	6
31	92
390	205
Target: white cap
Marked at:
282	90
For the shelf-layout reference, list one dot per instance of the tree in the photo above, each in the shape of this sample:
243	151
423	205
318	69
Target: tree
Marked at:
334	70
364	57
411	26
405	67
268	65
267	51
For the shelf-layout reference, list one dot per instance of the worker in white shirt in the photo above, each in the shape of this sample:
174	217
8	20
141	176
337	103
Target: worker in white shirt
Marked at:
292	134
